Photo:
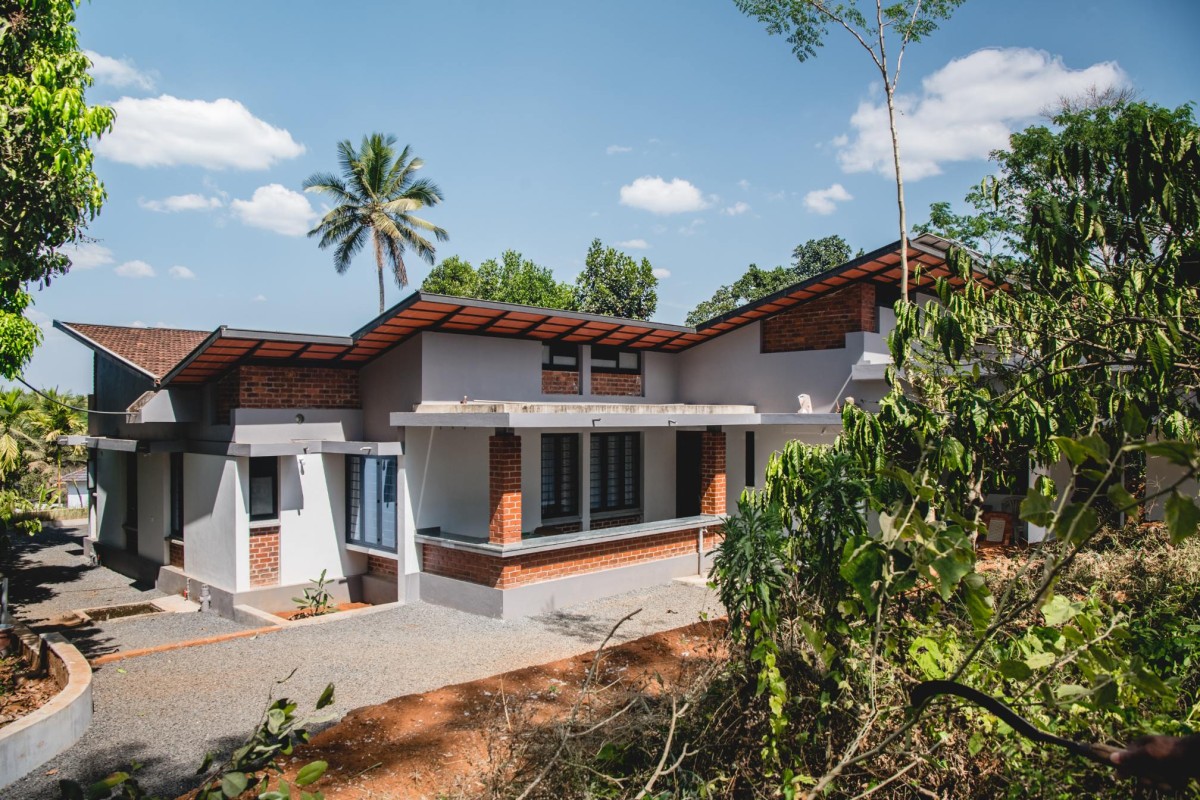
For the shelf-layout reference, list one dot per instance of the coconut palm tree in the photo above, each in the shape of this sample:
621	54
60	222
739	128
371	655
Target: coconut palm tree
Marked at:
376	197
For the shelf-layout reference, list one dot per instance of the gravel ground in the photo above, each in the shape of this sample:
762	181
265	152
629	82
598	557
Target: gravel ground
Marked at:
134	633
166	710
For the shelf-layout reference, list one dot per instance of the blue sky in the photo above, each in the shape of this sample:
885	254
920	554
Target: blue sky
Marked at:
676	127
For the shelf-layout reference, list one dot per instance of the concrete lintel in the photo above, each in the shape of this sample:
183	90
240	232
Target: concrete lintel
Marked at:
560	419
808	421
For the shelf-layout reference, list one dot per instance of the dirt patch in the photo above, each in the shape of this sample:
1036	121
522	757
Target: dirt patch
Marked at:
437	743
22	692
304	614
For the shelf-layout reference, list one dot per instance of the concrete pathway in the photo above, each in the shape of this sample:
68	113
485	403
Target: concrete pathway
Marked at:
166	710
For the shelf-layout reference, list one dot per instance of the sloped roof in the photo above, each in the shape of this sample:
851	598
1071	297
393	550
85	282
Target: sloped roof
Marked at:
151	351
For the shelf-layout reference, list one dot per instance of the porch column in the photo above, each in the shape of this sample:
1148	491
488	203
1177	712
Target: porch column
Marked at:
712	472
504	488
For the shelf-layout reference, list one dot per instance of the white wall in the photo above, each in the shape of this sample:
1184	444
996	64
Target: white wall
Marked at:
658	474
390	383
110	497
213	513
268	426
154	491
312	519
446	472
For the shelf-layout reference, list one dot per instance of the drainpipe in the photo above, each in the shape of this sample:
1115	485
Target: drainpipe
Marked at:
700	551
205	599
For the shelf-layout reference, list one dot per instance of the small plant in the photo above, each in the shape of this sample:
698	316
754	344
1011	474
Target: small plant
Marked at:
316	600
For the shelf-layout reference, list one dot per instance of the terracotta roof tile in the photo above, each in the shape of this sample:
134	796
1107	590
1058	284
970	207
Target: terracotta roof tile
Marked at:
153	350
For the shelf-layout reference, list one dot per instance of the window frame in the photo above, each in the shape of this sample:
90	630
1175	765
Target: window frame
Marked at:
603	472
175	522
273	472
356	472
563	349
560	509
131	492
616	353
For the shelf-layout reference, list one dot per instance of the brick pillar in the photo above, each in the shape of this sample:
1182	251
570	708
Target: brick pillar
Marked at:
504	489
712	472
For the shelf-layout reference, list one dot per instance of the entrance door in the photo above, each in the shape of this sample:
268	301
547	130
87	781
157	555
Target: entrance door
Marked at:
687	473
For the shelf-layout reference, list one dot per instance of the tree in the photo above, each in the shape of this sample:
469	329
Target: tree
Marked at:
48	189
377	195
804	23
516	279
613	283
818	255
453	276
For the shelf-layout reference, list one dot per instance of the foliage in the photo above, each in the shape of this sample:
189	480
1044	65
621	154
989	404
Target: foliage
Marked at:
877	29
377	195
47	186
516	279
613	283
316	600
808	259
453	276
250	768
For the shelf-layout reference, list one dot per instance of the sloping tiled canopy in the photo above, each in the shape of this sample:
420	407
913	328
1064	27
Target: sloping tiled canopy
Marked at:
227	347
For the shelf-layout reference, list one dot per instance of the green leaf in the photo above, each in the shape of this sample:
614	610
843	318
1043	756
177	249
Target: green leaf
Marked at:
1036	508
207	763
1182	517
1076	522
1133	421
862	567
1121	499
102	788
233	783
978	599
1039	660
326	697
309	773
1058	610
1070	691
950	570
1180	454
975	743
1015	670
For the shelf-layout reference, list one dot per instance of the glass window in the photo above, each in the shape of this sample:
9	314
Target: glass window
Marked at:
613	359
616	471
264	488
176	527
560	355
371	496
131	491
560	475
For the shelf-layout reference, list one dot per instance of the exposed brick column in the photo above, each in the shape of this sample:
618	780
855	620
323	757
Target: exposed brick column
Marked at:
712	472
504	489
264	556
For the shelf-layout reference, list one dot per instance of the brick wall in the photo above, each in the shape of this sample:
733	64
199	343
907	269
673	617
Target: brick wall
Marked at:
712	473
175	549
254	386
616	384
823	323
616	522
558	381
504	489
507	573
378	565
264	556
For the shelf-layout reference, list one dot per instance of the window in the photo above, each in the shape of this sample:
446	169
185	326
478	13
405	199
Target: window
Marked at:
371	501
560	475
131	491
750	475
175	530
613	359
616	471
264	489
560	356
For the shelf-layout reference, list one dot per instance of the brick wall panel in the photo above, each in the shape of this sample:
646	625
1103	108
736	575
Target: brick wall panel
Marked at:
258	386
264	556
504	489
822	324
378	565
558	381
616	384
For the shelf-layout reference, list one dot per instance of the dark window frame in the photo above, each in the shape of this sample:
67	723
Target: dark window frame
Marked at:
175	523
356	471
559	349
751	474
560	452
611	466
261	467
610	353
131	492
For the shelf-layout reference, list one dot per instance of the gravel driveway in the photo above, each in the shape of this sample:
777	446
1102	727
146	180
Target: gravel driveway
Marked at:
166	710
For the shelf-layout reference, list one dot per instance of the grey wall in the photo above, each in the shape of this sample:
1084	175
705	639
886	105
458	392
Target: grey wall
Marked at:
446	471
115	387
390	383
212	502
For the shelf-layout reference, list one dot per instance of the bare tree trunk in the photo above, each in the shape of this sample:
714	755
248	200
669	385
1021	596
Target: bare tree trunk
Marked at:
899	194
379	266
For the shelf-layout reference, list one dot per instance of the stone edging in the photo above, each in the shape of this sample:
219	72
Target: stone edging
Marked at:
37	737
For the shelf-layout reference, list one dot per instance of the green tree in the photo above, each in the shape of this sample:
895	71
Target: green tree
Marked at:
805	22
818	255
48	189
453	276
515	279
613	283
754	283
54	416
377	195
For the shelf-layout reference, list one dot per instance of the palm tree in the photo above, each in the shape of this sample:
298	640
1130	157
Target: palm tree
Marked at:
376	196
54	417
18	446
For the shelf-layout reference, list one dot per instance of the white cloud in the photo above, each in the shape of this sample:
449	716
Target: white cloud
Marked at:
119	72
137	323
88	255
260	298
166	131
736	209
616	149
661	273
182	273
967	109
692	227
662	197
824	201
276	208
634	244
744	184
181	202
135	269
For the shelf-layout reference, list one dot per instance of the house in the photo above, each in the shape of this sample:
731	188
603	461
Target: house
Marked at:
496	458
